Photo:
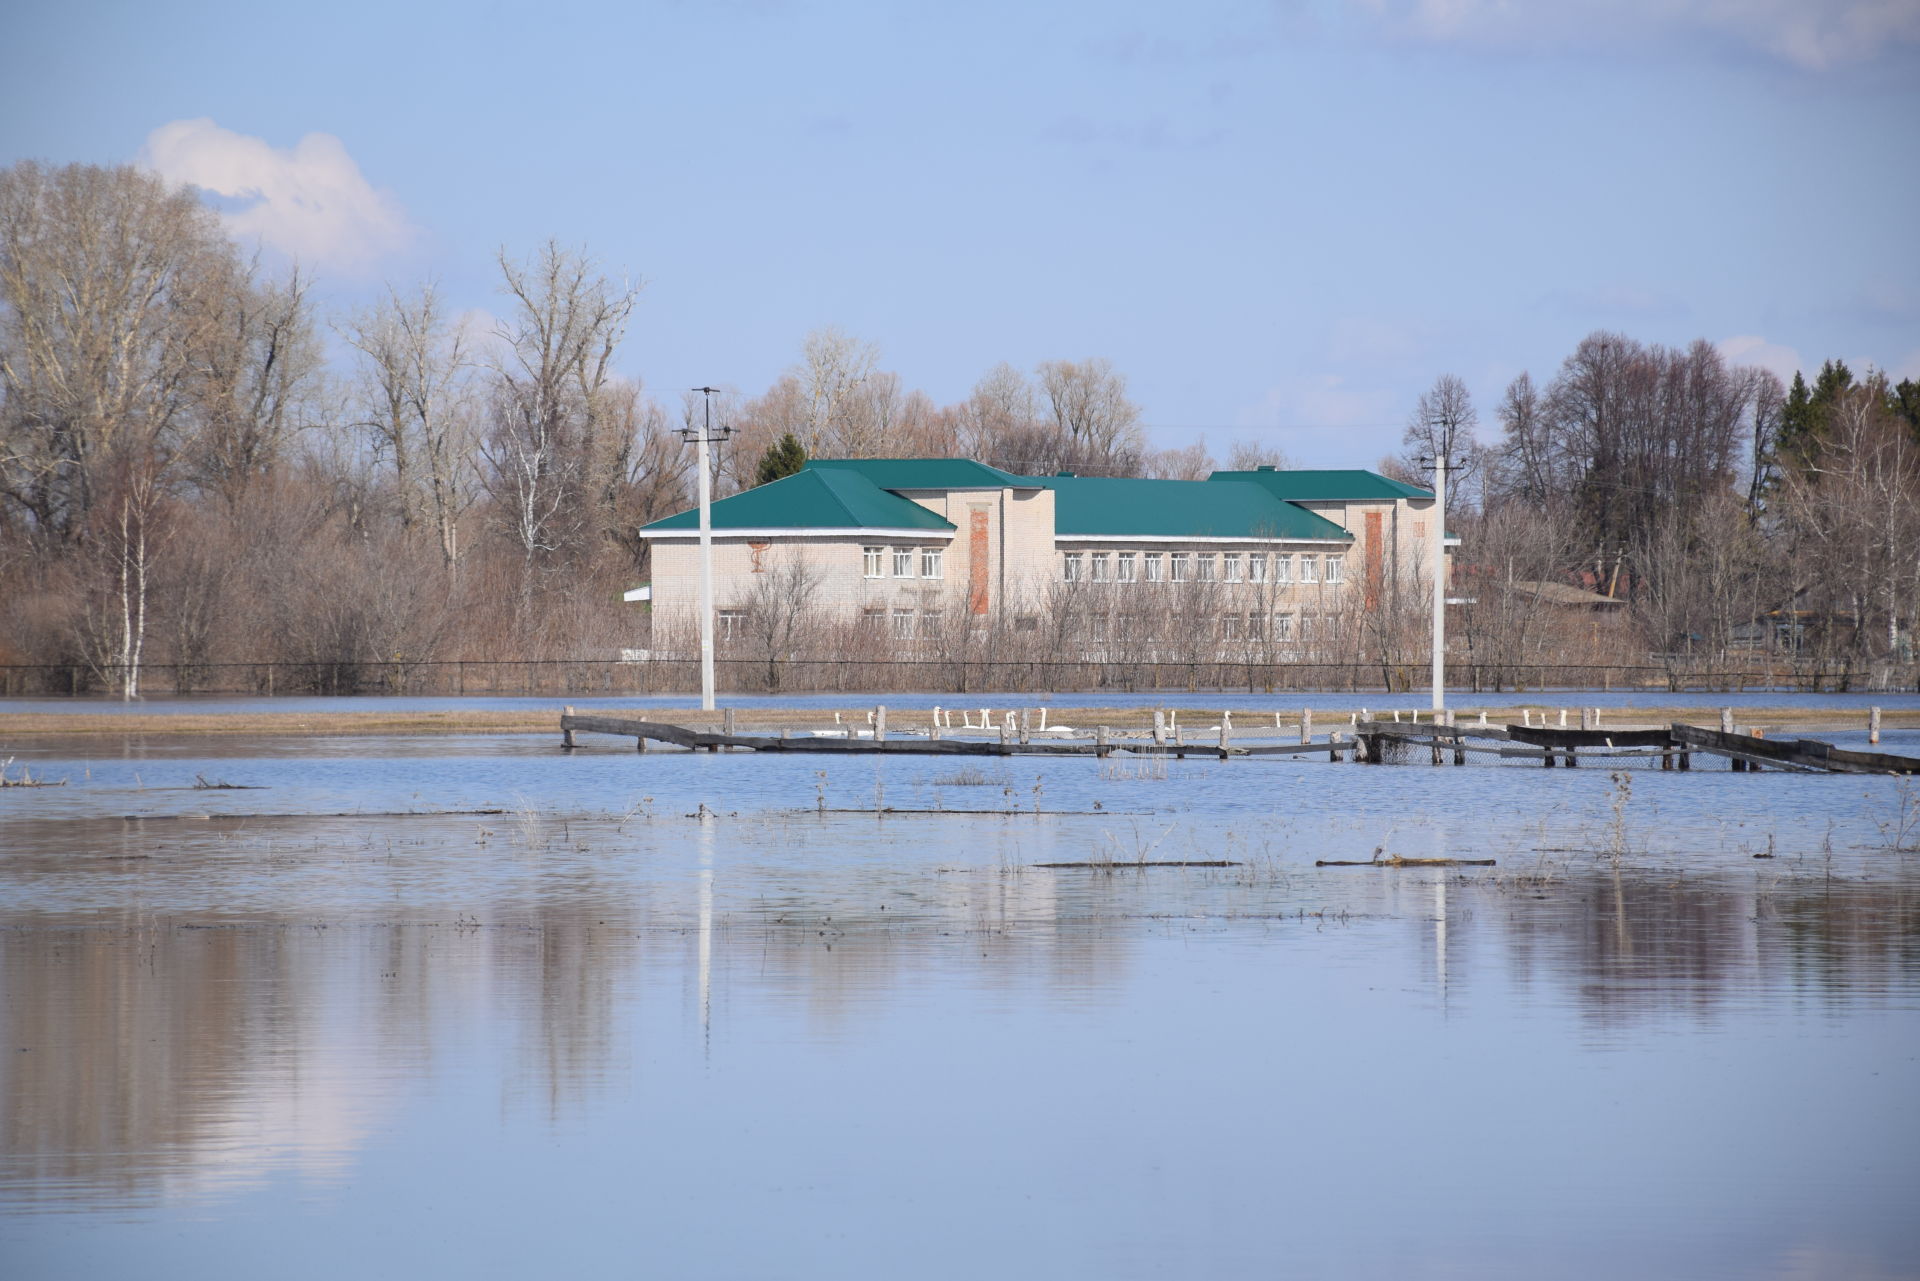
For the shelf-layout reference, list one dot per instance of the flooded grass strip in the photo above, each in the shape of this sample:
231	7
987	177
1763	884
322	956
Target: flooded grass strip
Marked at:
1395	860
1127	865
234	818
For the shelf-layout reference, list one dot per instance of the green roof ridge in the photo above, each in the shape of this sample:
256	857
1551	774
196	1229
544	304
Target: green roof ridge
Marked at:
924	473
1324	485
813	498
1115	507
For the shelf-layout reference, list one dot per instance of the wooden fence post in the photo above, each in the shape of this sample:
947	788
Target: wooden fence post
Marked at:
1306	726
1873	725
880	723
1226	733
1100	748
566	730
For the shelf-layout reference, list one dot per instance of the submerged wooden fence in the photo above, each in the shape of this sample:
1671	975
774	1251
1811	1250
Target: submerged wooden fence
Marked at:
1371	742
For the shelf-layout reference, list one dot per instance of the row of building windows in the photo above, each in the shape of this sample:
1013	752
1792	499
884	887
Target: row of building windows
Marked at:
1282	628
1201	567
905	623
905	561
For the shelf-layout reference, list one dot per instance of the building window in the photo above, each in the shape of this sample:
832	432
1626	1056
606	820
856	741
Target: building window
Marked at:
733	623
1309	569
1256	567
903	562
1209	565
1306	627
1256	627
1232	560
1070	567
1336	566
1102	566
930	620
1230	627
873	619
1097	627
930	558
1283	627
875	566
1156	567
903	623
1182	563
1123	566
1282	568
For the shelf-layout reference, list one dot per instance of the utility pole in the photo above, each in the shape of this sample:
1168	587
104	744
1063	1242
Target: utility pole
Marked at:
704	438
1440	577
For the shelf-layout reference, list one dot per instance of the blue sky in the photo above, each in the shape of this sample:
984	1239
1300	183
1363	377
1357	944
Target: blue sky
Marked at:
1281	220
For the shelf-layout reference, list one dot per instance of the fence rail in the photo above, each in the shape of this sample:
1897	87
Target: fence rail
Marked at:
677	674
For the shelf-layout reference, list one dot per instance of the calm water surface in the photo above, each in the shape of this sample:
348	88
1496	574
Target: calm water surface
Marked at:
680	1015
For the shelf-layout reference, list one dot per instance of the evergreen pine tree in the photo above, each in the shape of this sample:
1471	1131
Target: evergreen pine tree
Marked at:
1903	402
1793	439
783	458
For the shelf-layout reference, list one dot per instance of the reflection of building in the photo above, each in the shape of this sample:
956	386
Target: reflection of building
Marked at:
908	545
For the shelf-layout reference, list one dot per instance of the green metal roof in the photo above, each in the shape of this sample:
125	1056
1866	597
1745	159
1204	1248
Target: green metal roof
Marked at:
926	473
814	498
1324	486
1099	506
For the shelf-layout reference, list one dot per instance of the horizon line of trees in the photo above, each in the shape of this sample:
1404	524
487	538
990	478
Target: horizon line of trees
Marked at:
187	478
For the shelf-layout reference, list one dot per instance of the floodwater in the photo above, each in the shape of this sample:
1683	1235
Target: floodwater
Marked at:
749	1016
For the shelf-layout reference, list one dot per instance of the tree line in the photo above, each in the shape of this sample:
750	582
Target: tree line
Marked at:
199	466
1737	519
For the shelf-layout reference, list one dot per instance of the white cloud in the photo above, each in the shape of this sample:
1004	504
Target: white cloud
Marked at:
1812	34
309	201
1752	349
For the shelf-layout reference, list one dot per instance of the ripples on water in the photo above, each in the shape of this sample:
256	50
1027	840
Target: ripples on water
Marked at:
282	1032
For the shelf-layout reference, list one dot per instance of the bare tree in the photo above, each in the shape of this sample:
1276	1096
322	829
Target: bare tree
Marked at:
1001	407
1528	468
833	367
779	611
1088	403
103	320
1855	509
417	409
554	445
1442	426
1248	455
254	380
1190	462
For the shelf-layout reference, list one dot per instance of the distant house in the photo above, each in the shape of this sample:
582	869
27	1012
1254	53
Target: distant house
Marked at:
916	543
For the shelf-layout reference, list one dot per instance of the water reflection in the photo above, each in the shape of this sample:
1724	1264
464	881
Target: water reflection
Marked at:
155	1061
